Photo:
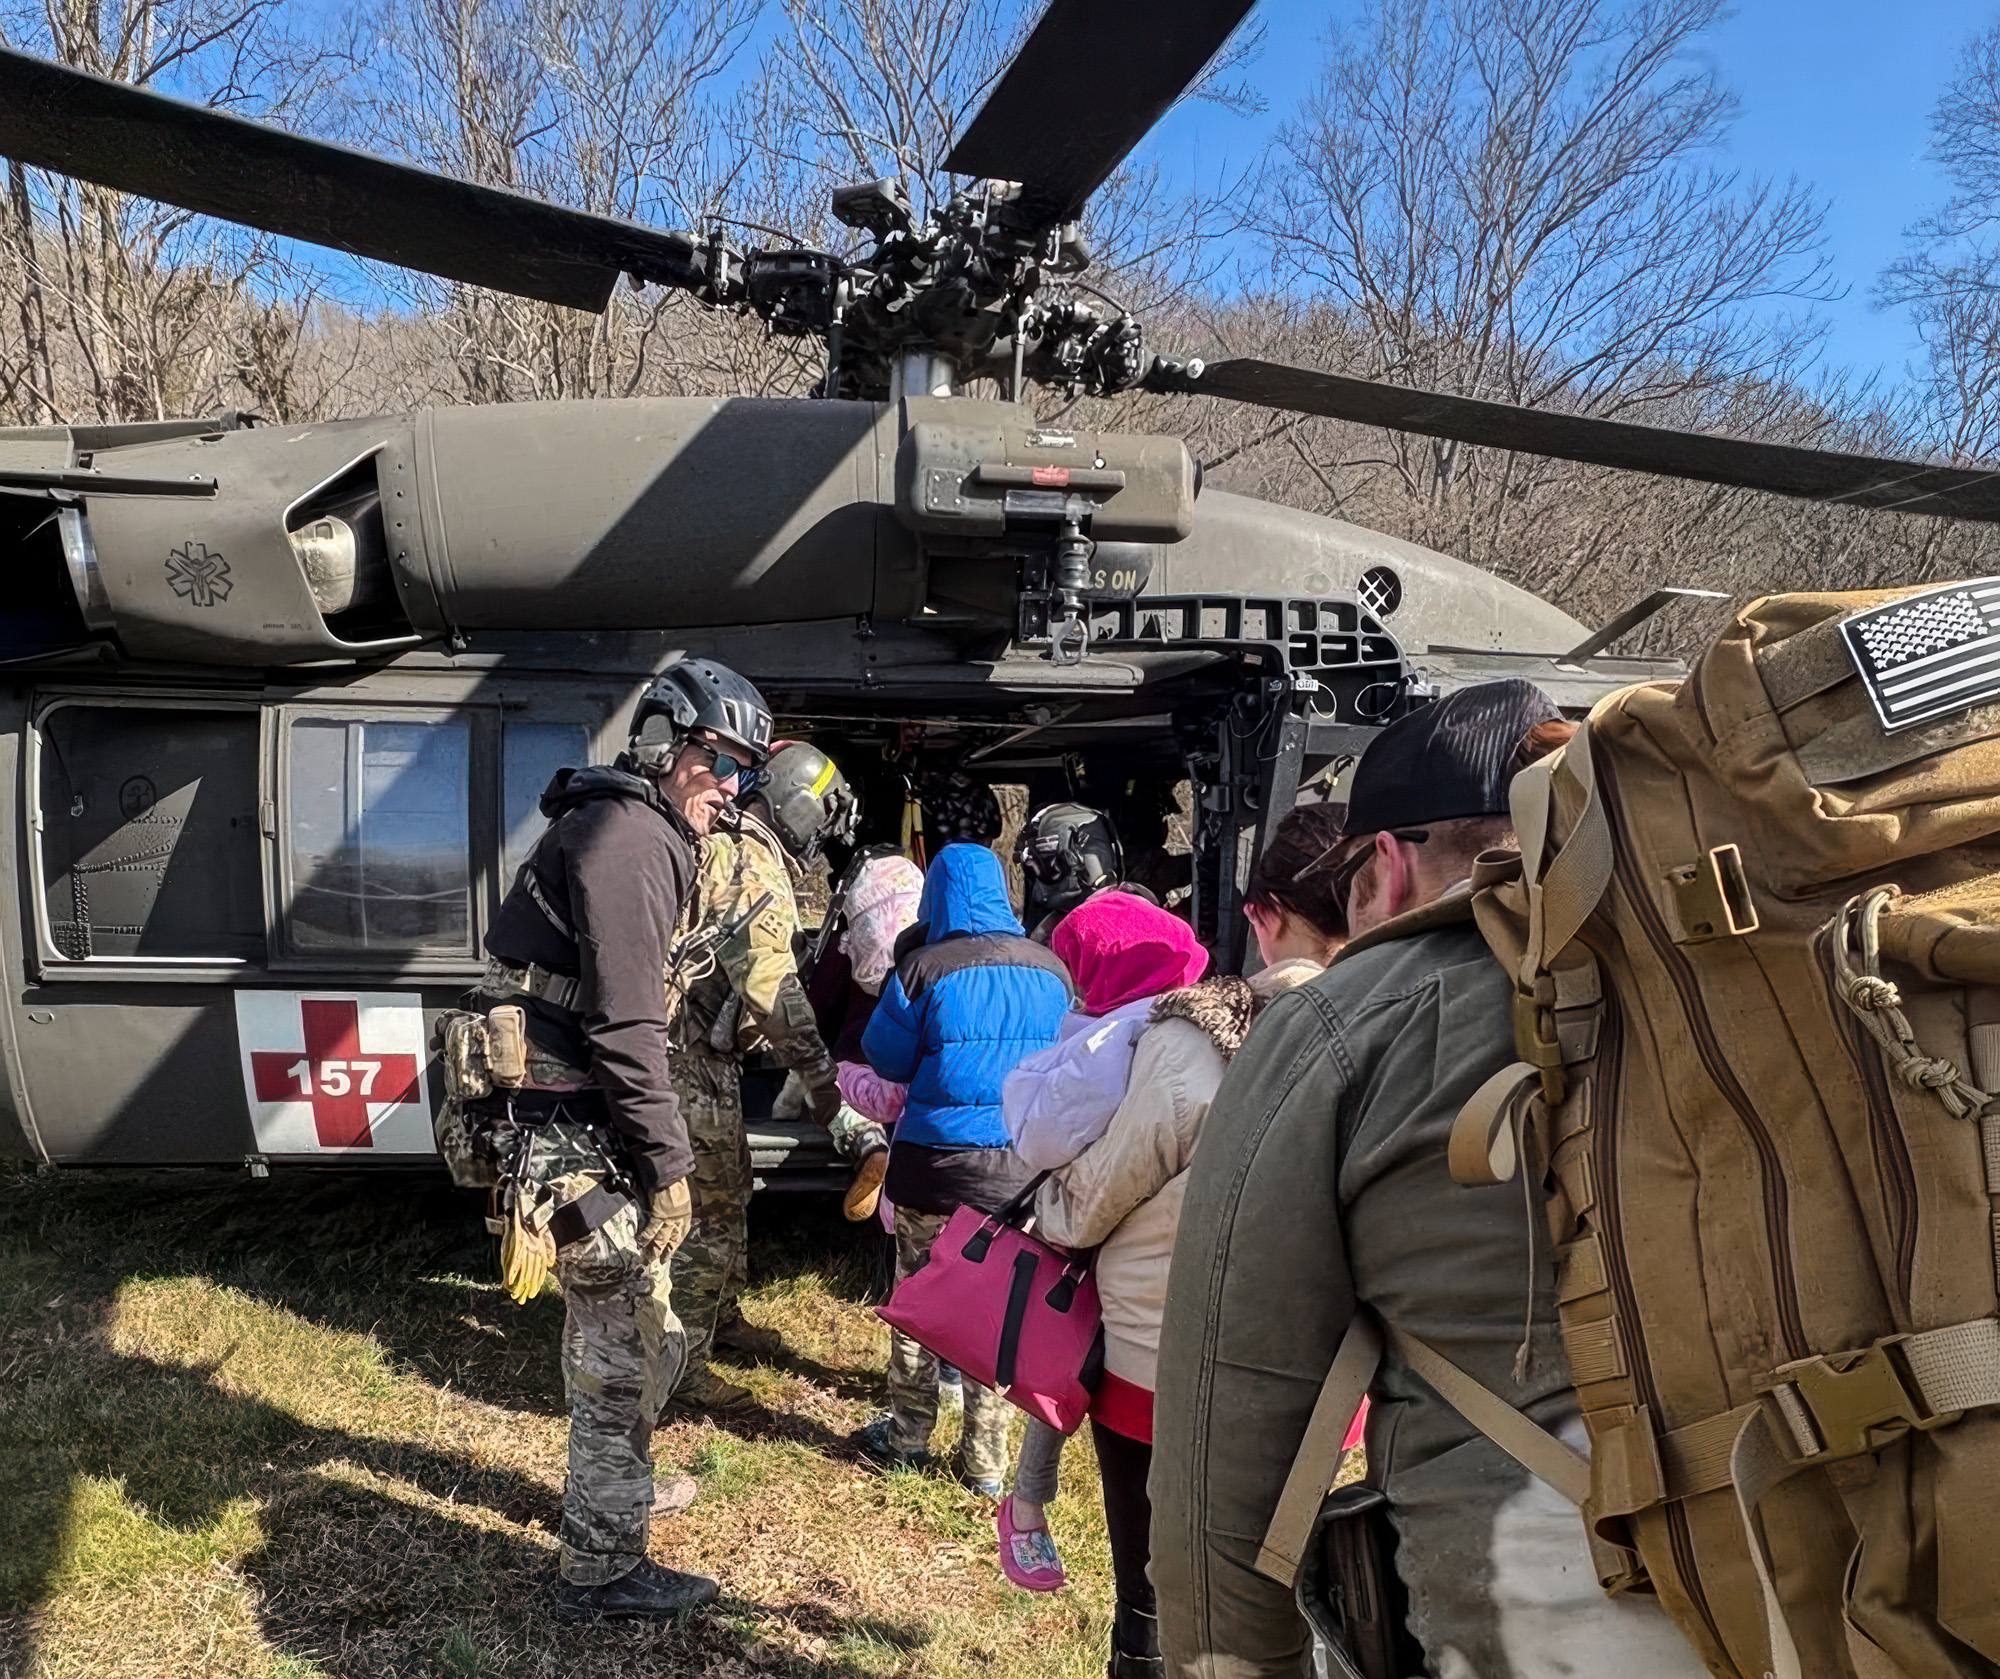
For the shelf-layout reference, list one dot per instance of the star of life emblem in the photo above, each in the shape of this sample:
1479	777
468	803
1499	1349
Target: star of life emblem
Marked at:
1930	655
198	574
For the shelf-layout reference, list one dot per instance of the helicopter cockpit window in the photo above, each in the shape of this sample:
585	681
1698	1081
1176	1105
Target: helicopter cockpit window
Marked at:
149	833
379	836
531	753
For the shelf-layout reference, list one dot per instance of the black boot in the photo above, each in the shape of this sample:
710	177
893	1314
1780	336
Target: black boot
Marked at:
1135	1645
648	1593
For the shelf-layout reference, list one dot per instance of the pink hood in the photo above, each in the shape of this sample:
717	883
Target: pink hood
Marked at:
1119	948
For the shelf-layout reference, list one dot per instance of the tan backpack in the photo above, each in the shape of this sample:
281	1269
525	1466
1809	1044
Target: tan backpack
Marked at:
1756	947
1755	937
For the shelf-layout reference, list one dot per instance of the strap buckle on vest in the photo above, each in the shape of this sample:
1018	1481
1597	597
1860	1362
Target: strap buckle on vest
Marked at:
532	981
1841	1405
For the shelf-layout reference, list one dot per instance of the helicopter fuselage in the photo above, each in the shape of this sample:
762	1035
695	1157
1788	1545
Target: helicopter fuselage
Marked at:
271	750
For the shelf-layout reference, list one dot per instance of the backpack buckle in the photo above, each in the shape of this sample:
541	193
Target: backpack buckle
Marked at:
1840	1405
1534	1019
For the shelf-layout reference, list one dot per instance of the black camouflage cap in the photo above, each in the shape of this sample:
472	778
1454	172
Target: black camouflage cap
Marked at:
957	808
1449	760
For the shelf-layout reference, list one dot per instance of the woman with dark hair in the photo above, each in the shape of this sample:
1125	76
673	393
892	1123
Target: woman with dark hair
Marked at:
1293	901
1121	1192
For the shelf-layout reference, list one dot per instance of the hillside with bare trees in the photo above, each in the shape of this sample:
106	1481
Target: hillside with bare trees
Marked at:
1510	199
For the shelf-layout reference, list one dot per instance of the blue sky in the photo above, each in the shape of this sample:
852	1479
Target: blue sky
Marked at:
1837	92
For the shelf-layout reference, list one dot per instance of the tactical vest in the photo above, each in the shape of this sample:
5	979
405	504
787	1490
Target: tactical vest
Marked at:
704	1010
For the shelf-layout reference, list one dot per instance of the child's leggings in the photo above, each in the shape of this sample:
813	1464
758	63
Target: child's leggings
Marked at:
1035	1472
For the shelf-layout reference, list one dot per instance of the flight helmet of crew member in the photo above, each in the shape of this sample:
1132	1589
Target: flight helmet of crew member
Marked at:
805	799
1067	852
698	702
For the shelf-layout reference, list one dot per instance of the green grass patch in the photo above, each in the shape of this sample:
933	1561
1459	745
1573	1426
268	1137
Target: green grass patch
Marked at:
293	1430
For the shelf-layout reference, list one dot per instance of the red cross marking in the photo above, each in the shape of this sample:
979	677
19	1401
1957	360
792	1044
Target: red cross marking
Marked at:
334	1075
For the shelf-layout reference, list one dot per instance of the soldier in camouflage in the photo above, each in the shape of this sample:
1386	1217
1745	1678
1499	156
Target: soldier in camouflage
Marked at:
592	1154
744	992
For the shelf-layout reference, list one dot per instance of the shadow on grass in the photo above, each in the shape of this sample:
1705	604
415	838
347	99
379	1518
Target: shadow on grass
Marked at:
113	1465
846	1384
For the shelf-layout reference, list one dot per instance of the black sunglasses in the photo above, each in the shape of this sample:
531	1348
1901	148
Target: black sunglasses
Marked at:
722	765
1352	864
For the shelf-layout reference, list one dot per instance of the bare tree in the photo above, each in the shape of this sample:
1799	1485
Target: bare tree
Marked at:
1950	278
602	105
1517	199
126	308
1508	198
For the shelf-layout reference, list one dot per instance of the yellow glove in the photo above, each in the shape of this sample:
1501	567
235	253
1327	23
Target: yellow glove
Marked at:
525	1258
672	1210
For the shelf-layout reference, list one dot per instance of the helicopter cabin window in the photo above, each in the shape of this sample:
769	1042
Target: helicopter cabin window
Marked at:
379	838
531	753
149	842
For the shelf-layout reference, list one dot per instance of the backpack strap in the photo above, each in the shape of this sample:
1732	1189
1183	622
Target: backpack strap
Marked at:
1561	895
1354	1366
1517	1434
1842	1405
1318	1460
1486	1137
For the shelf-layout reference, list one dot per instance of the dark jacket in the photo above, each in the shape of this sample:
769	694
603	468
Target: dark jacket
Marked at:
614	865
1321	1181
840	1007
965	1006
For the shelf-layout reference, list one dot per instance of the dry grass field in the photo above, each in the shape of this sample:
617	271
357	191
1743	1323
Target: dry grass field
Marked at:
292	1428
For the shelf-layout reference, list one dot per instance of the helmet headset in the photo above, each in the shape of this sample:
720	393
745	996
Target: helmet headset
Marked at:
693	695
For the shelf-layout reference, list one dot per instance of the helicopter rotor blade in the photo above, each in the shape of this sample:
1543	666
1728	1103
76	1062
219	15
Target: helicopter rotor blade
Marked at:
1088	83
136	141
1707	457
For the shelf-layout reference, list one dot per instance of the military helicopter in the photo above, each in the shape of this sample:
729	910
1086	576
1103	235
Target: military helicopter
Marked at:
279	700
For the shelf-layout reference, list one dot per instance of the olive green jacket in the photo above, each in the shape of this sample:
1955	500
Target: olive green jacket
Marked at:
1320	1180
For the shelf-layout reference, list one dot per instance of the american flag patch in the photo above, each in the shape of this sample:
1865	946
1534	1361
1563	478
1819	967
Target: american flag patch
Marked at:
1929	655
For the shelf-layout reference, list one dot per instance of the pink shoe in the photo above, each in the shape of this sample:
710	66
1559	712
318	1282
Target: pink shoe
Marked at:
1027	1555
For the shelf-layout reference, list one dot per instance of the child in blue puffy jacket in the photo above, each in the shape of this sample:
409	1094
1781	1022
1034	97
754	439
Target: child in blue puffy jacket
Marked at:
969	997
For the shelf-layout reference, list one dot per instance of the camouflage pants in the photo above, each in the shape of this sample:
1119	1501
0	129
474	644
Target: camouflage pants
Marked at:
622	1355
913	1372
712	1265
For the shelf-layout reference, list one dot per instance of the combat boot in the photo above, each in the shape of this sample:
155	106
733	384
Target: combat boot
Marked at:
875	1441
740	1335
704	1390
648	1593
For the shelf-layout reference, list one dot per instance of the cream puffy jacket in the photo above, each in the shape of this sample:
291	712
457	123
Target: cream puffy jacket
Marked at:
1122	1194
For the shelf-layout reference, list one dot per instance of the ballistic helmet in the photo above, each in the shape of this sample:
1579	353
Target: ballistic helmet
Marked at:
806	799
699	694
1067	851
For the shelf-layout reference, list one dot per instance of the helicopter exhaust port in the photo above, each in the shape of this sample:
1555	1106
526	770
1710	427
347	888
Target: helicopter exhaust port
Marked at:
337	537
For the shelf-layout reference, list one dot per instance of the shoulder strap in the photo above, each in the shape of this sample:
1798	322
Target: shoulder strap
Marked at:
1523	1439
1562	894
1014	1210
1354	1366
1311	1478
542	901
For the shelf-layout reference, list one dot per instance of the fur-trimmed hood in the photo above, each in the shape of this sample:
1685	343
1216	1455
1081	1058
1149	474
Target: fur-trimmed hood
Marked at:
1223	1007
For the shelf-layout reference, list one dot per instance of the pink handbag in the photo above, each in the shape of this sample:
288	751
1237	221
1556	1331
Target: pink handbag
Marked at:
1014	1313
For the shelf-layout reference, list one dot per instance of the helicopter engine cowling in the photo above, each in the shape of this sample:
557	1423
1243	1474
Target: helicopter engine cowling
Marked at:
353	540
